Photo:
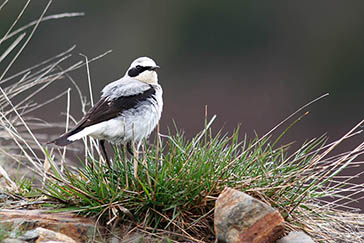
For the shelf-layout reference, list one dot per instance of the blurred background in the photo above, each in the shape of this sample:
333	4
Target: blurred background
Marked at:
252	62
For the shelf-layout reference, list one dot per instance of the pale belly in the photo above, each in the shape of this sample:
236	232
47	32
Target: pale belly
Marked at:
133	125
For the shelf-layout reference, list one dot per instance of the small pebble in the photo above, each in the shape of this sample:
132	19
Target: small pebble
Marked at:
296	237
8	240
29	235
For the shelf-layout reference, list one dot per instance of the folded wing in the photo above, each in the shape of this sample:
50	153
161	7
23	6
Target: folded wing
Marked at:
106	109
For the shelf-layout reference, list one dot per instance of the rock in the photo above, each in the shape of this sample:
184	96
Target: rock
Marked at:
46	235
8	240
13	233
29	235
78	228
3	197
296	237
241	218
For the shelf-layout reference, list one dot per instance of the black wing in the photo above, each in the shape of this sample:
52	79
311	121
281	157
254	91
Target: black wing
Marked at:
105	110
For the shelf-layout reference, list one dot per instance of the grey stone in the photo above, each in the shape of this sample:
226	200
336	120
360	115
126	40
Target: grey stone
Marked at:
12	234
29	235
296	237
3	196
53	241
8	240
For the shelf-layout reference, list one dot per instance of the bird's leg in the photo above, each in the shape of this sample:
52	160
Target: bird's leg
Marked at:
129	148
102	146
132	150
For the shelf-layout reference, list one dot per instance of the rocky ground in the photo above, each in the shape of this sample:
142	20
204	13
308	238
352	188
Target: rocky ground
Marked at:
238	218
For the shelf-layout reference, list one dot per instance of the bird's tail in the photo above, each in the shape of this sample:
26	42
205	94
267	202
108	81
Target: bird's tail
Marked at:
76	133
62	140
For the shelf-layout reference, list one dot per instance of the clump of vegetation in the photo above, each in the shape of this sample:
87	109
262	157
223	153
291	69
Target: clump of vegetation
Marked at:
171	187
178	179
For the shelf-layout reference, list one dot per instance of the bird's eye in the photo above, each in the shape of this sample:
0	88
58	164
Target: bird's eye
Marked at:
139	67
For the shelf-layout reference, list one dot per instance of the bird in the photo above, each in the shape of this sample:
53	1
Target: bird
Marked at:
128	111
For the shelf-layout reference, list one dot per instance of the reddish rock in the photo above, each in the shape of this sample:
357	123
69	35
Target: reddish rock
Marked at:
241	218
76	227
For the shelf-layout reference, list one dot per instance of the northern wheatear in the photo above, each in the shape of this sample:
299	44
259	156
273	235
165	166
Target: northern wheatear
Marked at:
128	111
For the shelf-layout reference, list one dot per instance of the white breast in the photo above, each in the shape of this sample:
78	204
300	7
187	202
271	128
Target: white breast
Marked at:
133	124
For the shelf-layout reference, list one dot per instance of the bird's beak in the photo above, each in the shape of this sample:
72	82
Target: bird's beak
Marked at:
154	68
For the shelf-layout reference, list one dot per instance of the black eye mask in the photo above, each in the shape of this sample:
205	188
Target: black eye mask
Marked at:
133	72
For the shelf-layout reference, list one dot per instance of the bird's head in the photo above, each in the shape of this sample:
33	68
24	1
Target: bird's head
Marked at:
144	70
